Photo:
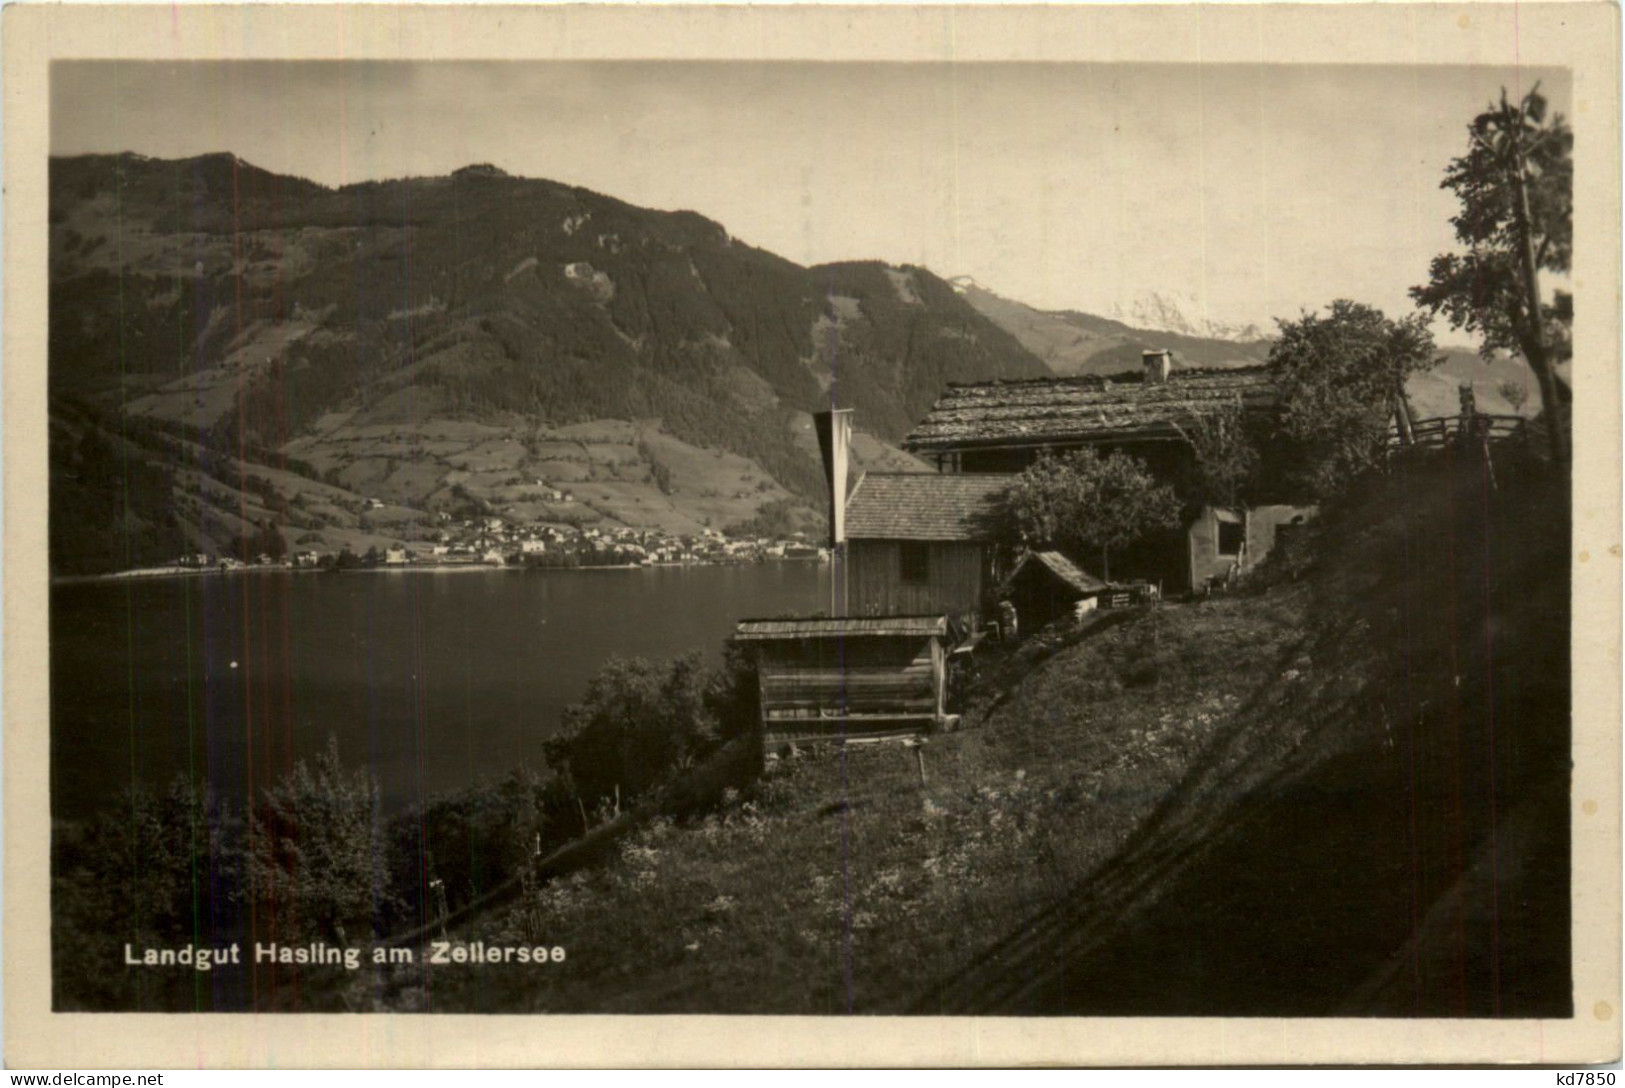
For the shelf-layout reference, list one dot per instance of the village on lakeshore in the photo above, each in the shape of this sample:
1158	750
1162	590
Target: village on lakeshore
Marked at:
486	543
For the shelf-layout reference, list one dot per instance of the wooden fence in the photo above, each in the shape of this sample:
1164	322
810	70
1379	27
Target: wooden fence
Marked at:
1478	430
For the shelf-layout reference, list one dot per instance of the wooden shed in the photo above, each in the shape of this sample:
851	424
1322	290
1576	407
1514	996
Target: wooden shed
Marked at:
922	543
837	679
1046	585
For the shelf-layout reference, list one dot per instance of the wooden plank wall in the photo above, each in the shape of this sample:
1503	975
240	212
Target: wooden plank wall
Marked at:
812	678
804	730
875	587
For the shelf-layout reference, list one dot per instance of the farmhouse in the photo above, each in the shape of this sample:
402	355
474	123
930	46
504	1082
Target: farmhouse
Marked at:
918	563
1004	426
912	566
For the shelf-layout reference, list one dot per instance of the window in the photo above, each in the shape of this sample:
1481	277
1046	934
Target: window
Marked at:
914	563
1231	534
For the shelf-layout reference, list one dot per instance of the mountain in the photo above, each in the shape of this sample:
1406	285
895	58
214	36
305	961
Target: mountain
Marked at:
1181	313
248	349
1077	343
234	352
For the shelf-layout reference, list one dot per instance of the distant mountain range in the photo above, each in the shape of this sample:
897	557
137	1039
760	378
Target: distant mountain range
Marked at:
1182	314
1078	343
1070	342
232	350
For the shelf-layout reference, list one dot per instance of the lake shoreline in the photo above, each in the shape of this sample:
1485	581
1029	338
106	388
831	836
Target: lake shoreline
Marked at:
147	574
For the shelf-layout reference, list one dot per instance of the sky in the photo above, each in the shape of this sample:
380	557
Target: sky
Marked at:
1251	191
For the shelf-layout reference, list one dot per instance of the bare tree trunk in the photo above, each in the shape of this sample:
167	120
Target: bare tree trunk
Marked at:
1535	337
1550	400
1402	415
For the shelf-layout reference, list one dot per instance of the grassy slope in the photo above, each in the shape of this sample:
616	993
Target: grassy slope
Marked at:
605	464
838	884
1338	793
1382	829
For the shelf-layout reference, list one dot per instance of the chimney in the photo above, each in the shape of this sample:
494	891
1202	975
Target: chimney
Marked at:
1157	365
834	437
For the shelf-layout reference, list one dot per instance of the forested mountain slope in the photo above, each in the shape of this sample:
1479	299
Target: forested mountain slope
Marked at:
424	338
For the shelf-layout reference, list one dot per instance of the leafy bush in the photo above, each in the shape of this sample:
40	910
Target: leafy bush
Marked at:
639	722
162	869
1340	376
317	851
1086	503
472	841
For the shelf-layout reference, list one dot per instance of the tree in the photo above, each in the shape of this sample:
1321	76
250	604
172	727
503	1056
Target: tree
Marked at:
1227	461
318	851
1341	378
639	722
158	869
472	840
733	694
1516	186
1086	503
266	539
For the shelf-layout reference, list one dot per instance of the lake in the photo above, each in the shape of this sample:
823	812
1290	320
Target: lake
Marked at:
434	680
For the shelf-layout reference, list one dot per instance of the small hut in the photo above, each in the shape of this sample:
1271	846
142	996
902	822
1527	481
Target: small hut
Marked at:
855	678
1047	585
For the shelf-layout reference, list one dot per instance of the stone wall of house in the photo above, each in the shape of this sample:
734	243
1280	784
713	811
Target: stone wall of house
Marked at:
1264	526
1259	528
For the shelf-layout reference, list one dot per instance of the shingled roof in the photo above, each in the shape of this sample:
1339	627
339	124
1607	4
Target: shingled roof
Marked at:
845	627
1045	411
925	506
1068	572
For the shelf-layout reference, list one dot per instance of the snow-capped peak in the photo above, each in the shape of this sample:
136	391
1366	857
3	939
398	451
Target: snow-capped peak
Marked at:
1180	313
